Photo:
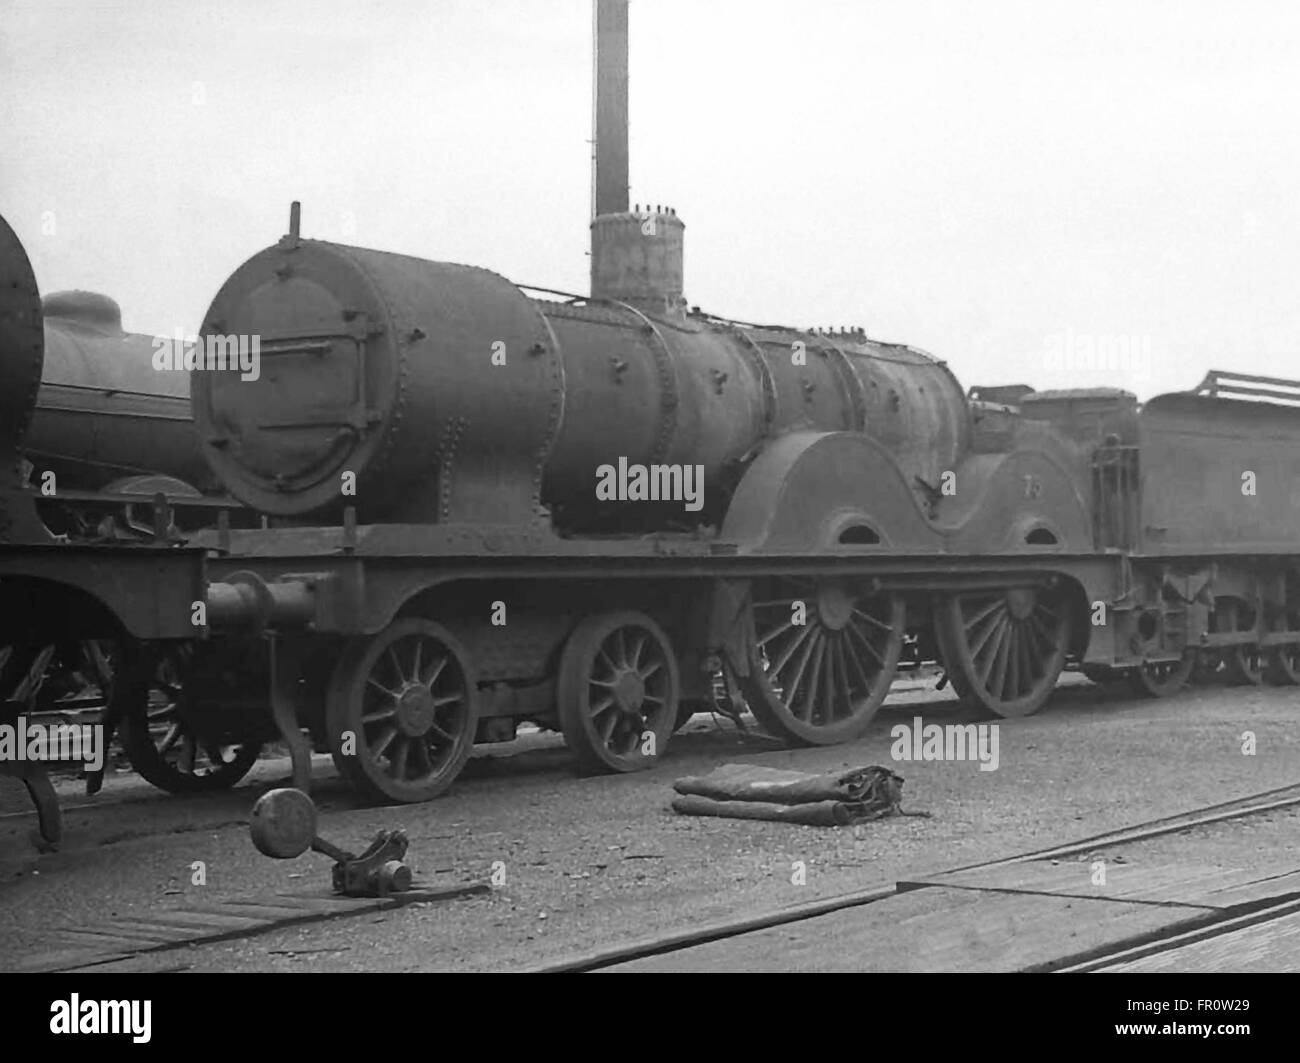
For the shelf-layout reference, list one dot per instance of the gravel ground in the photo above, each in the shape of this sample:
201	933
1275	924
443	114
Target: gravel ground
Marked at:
594	863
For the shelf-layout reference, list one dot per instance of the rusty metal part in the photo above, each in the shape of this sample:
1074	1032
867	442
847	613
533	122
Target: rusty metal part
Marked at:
283	826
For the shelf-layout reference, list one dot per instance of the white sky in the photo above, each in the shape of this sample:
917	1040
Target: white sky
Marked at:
972	178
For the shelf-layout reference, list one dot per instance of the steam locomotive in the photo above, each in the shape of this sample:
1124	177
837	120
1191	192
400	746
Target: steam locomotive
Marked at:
453	505
454	541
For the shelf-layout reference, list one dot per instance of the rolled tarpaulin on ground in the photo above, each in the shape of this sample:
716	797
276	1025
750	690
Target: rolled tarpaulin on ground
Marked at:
750	782
748	791
809	813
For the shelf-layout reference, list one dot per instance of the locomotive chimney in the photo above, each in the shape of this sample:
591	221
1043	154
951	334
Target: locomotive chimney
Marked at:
610	135
636	257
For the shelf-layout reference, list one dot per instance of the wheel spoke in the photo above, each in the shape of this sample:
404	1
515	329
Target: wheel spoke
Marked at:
777	631
391	655
995	624
378	715
778	666
1028	659
609	726
170	739
809	650
1000	662
436	670
991	658
993	606
810	699
397	763
857	666
866	642
872	620
846	692
386	738
391	694
420	762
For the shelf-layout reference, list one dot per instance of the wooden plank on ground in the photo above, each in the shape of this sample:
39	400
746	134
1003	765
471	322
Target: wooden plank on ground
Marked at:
117	939
1271	947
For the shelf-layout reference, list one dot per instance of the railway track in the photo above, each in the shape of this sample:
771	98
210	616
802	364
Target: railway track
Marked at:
1203	923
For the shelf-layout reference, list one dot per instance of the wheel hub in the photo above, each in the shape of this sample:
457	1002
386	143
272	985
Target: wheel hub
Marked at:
629	692
415	710
834	606
1020	602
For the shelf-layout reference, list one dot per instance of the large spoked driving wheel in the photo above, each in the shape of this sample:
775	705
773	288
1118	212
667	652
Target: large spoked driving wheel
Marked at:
160	742
1163	679
1004	650
617	692
822	658
402	710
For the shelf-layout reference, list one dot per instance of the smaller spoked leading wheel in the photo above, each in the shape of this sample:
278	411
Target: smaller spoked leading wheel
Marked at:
1283	663
617	692
1242	664
1163	679
158	739
1004	650
1245	665
402	711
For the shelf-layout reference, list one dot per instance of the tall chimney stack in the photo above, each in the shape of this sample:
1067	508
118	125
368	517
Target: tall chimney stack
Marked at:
636	258
611	166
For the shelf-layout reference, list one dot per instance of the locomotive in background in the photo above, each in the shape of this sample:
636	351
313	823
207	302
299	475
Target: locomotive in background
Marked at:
482	505
92	437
